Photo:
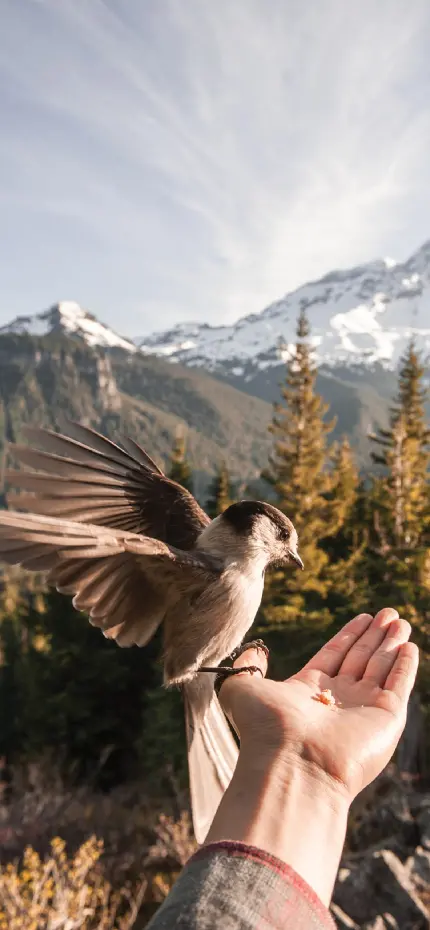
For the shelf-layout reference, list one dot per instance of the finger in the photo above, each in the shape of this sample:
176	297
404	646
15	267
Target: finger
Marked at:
252	656
401	678
357	659
383	659
330	657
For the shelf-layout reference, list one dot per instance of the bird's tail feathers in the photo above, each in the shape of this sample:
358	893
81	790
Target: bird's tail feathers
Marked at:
212	751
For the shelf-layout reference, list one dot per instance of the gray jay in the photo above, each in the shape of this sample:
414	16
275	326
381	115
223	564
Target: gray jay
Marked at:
135	550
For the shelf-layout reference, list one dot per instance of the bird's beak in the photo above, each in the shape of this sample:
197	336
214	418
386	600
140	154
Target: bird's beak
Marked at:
294	557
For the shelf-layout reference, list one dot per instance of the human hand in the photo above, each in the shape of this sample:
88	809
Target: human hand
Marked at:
370	668
302	762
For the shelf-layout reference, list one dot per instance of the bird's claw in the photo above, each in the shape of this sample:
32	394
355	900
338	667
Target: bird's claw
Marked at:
255	644
222	672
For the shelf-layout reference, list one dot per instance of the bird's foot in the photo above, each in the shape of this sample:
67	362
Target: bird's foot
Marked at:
226	671
222	672
255	644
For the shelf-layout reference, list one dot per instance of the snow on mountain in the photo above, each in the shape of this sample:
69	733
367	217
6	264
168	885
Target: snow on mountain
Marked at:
359	315
70	318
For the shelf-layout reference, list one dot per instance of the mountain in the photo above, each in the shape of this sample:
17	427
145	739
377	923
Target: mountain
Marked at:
65	360
69	318
115	389
362	316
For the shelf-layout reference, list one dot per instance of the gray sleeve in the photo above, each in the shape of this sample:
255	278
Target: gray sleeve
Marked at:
230	886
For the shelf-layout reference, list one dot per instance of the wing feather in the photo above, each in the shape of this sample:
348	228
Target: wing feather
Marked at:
95	440
57	444
91	479
126	582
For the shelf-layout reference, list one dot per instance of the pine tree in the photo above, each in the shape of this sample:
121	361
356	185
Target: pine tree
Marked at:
345	546
398	556
412	395
180	470
344	485
400	526
404	454
70	690
220	492
409	405
301	482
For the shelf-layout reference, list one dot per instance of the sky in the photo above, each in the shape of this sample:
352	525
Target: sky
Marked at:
171	160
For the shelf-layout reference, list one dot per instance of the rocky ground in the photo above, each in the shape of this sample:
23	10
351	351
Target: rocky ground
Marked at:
384	879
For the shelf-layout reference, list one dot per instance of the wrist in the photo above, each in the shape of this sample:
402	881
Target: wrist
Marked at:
286	806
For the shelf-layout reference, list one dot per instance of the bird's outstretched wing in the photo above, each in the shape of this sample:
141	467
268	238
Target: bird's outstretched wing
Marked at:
126	582
87	478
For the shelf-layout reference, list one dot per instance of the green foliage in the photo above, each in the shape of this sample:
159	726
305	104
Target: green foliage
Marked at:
399	531
365	542
180	469
162	746
70	691
220	492
301	483
347	589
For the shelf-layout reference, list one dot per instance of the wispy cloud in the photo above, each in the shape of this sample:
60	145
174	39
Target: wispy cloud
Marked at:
197	159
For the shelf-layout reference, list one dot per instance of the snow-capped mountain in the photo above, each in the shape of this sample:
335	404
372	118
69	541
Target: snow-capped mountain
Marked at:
360	315
70	318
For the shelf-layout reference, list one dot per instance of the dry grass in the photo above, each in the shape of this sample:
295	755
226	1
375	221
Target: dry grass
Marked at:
113	880
61	893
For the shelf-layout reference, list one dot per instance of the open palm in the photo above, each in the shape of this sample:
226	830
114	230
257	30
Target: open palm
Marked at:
370	668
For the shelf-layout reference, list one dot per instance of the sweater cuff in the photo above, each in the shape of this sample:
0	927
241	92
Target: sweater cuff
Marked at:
305	898
232	886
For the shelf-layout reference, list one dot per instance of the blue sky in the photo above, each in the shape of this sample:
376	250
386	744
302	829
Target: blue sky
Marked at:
169	160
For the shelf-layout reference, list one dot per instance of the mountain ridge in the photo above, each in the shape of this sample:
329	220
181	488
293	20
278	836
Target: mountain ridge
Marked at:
219	385
70	318
362	316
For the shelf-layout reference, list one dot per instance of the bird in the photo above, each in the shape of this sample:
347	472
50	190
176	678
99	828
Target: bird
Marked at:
136	551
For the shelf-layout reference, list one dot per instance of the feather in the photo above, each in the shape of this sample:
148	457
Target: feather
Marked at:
20	554
106	447
59	465
102	601
123	580
140	455
54	505
212	752
64	487
57	444
94	480
98	593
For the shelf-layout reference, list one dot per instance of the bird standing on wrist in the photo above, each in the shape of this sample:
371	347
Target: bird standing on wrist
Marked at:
136	550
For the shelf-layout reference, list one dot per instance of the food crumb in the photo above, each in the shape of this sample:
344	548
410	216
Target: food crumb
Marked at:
326	697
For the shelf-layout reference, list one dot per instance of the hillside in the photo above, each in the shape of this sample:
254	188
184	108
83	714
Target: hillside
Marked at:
43	377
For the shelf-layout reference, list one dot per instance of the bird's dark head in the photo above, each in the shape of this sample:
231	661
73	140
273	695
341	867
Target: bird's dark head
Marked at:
265	528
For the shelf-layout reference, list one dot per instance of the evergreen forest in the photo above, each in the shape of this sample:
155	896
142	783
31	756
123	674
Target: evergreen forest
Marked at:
94	779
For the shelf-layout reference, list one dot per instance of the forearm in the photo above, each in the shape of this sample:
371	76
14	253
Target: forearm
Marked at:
289	812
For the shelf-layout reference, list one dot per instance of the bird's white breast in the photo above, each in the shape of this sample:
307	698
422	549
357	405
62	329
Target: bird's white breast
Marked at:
235	611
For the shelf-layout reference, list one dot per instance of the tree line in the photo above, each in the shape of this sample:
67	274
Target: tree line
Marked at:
365	542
